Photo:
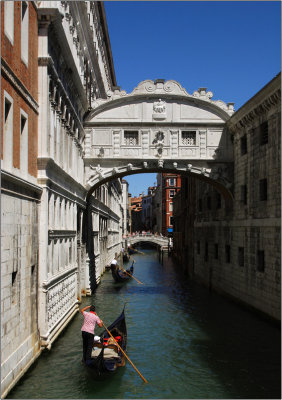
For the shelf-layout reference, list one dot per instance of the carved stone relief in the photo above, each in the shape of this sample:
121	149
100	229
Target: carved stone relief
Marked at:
159	110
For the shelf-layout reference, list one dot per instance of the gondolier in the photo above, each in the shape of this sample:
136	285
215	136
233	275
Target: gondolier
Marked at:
88	327
114	263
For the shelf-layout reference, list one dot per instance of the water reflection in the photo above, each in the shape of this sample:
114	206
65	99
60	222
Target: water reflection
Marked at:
187	342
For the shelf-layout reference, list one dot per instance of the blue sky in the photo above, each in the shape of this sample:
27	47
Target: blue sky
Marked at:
233	48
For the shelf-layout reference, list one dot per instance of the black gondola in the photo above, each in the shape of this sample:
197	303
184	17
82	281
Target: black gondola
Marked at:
106	358
126	257
121	276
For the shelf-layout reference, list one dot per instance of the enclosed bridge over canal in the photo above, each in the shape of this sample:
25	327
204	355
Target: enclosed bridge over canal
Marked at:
159	127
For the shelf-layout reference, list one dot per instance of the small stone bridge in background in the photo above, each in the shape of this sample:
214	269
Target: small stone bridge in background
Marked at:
164	243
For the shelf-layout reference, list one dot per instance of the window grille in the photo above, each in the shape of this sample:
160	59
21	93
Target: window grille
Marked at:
241	256
244	194
264	133
188	138
218	200
227	253
243	142
216	251
260	261
200	205
206	251
131	138
263	189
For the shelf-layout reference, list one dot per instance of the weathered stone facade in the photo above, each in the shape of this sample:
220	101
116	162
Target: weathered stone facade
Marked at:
20	193
56	60
74	69
237	246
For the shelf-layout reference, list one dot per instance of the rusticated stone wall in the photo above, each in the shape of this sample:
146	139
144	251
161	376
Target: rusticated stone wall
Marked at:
237	245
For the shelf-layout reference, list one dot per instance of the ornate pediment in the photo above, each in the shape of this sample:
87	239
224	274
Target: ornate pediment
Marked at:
159	91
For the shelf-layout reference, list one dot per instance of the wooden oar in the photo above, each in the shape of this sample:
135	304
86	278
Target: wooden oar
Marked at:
137	251
131	276
141	252
125	354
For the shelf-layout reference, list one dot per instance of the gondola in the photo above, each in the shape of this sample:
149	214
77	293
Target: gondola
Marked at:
126	257
106	358
120	276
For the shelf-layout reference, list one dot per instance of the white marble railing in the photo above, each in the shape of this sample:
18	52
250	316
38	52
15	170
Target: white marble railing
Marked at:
61	296
149	237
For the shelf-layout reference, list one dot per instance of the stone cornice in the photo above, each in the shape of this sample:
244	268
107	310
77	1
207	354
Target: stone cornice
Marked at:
11	181
59	277
18	85
47	169
105	211
267	98
79	12
48	62
54	234
107	40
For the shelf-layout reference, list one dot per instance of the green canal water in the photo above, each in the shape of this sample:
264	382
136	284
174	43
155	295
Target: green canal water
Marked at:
187	342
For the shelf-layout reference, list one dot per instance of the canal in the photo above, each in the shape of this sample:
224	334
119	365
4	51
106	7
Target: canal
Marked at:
187	342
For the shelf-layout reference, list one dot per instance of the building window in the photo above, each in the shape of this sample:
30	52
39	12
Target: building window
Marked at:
24	141
9	20
209	202
188	138
260	261
33	277
264	133
198	247
218	200
216	251
171	181
206	251
200	205
171	193
263	189
227	253
14	287
170	220
8	132
241	256
170	206
243	145
70	253
131	138
243	194
24	31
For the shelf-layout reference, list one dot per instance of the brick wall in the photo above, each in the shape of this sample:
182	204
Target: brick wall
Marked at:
23	77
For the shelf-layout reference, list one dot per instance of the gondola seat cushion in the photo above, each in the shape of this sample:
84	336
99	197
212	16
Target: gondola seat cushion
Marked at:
108	353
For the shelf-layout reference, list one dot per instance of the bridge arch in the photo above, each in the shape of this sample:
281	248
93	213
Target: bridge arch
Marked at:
159	127
216	177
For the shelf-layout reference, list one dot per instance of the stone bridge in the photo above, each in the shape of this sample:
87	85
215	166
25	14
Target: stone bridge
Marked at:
161	241
159	127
